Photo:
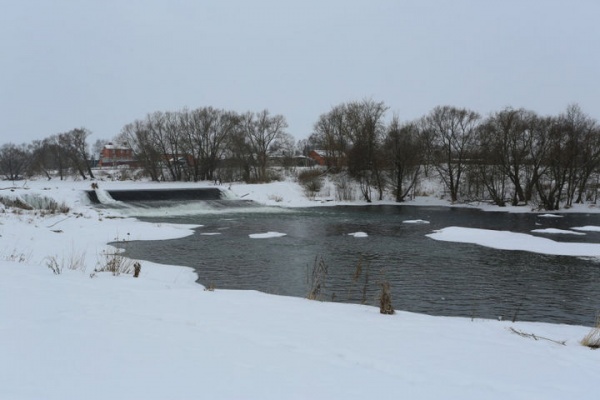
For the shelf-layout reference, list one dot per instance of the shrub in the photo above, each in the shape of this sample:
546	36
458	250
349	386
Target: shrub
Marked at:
344	189
137	268
35	202
311	180
274	176
75	262
592	339
15	203
385	301
115	263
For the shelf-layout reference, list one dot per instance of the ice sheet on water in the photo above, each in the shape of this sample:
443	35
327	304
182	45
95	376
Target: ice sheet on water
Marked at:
557	231
550	216
266	235
506	240
587	228
358	234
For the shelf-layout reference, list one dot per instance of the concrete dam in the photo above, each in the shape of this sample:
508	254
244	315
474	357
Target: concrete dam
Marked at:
147	195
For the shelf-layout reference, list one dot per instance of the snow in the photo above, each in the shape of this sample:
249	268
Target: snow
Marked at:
161	336
587	228
549	216
358	234
266	235
556	231
416	221
506	240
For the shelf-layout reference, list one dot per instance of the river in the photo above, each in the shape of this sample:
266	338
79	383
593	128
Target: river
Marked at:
426	276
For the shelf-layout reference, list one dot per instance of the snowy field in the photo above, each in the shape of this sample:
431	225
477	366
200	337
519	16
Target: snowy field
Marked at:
82	334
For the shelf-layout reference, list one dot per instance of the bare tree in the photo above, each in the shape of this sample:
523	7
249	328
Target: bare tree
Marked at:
284	149
584	147
505	141
261	130
14	161
75	148
450	133
206	132
47	156
138	138
331	136
366	129
404	152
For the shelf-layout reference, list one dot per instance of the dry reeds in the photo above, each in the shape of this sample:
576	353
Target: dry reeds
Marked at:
592	339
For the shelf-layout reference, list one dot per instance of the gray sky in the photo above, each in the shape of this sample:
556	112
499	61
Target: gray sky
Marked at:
102	64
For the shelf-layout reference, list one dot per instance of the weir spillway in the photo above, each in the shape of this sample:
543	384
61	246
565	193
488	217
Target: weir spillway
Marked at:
198	194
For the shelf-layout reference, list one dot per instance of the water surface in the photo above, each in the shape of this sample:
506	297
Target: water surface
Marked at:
427	276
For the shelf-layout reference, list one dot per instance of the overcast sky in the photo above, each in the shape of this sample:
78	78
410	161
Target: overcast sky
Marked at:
102	64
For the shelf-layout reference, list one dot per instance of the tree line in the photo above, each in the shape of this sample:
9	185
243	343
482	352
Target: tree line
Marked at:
61	154
193	145
511	156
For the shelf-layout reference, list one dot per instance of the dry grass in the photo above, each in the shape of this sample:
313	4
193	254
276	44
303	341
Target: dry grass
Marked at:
30	202
275	198
356	276
16	256
115	263
592	339
74	262
316	279
15	203
385	300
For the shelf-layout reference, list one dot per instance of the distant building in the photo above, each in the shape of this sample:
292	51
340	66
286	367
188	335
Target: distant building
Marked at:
321	157
113	155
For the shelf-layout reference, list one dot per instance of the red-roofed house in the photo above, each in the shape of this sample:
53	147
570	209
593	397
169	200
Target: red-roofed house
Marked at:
113	155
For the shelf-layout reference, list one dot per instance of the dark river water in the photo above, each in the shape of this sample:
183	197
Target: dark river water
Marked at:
426	276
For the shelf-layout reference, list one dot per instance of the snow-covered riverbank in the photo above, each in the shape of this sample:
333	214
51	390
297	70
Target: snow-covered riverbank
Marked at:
161	336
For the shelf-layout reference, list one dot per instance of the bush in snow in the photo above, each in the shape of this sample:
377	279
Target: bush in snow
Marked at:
592	339
311	180
34	202
385	301
75	262
115	263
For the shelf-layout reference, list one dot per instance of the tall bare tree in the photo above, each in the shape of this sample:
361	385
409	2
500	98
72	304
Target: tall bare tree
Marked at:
331	136
366	129
74	144
505	141
137	136
261	130
206	132
404	152
451	134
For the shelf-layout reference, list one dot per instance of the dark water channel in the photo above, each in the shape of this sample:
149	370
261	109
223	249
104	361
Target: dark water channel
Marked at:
426	276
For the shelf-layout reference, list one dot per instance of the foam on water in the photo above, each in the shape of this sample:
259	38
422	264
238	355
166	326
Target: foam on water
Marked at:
185	208
104	197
